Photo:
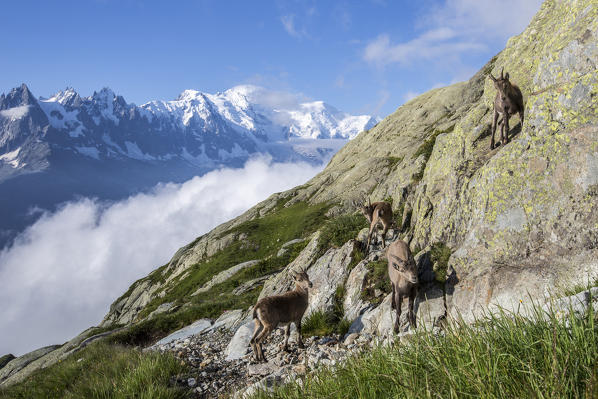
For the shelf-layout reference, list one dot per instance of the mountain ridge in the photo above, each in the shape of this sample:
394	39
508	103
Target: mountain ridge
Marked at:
55	149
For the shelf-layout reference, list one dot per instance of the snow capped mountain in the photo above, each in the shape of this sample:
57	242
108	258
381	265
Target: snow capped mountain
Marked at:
200	128
52	149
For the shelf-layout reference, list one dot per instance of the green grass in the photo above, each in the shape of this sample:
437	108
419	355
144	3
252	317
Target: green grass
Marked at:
341	229
331	322
506	356
264	238
103	371
376	278
439	255
393	161
209	304
576	289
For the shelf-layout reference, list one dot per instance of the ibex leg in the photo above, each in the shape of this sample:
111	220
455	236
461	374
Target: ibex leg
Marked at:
287	333
299	337
260	338
412	321
384	236
398	305
506	128
257	329
493	129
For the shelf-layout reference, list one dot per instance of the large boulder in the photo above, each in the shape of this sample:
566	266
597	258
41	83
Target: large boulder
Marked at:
17	364
327	273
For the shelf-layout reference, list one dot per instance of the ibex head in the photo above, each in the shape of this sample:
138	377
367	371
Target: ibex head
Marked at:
407	268
502	84
367	210
302	280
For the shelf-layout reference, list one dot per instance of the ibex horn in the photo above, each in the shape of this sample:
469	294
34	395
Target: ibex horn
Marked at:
369	202
501	71
492	77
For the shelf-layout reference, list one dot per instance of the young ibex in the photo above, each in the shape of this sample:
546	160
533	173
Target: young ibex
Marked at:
378	212
287	308
507	102
403	278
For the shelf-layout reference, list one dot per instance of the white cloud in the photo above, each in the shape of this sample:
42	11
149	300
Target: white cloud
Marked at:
458	27
433	44
288	22
64	271
485	18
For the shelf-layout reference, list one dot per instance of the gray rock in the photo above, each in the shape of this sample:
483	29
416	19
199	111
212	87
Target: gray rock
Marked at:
283	282
163	308
196	328
250	285
191	382
5	359
352	303
225	275
327	273
231	319
262	369
285	246
239	344
350	339
577	304
17	364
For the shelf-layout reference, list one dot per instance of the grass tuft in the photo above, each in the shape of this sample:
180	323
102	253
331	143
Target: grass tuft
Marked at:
103	371
504	356
376	279
439	255
341	229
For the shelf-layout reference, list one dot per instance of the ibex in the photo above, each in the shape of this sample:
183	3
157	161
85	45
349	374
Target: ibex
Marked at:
287	308
403	278
378	212
507	102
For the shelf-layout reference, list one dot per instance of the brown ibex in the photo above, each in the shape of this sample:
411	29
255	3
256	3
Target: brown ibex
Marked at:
378	212
287	308
507	102
402	271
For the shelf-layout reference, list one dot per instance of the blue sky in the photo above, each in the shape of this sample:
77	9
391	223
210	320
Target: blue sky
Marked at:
361	56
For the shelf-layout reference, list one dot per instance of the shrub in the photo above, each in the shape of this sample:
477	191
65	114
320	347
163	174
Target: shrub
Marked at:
376	279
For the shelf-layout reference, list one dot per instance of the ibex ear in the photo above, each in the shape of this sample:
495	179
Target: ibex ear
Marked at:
507	76
493	78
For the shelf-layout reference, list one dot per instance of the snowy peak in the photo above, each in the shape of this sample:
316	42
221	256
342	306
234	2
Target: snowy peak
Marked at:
17	97
204	129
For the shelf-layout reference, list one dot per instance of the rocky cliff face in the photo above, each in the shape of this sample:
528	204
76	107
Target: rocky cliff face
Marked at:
515	223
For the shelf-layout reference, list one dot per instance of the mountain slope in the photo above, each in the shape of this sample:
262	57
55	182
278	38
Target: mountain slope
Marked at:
504	214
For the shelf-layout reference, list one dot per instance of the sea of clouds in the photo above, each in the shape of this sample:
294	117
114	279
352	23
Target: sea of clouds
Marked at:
64	271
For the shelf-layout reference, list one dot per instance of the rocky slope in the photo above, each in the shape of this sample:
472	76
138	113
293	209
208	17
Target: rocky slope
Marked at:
489	228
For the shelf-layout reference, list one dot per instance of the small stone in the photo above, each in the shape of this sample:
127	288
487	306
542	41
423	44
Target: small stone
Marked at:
351	338
191	382
300	369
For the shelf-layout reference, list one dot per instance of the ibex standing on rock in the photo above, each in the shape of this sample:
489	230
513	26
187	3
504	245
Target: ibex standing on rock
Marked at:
287	308
507	102
378	212
402	271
